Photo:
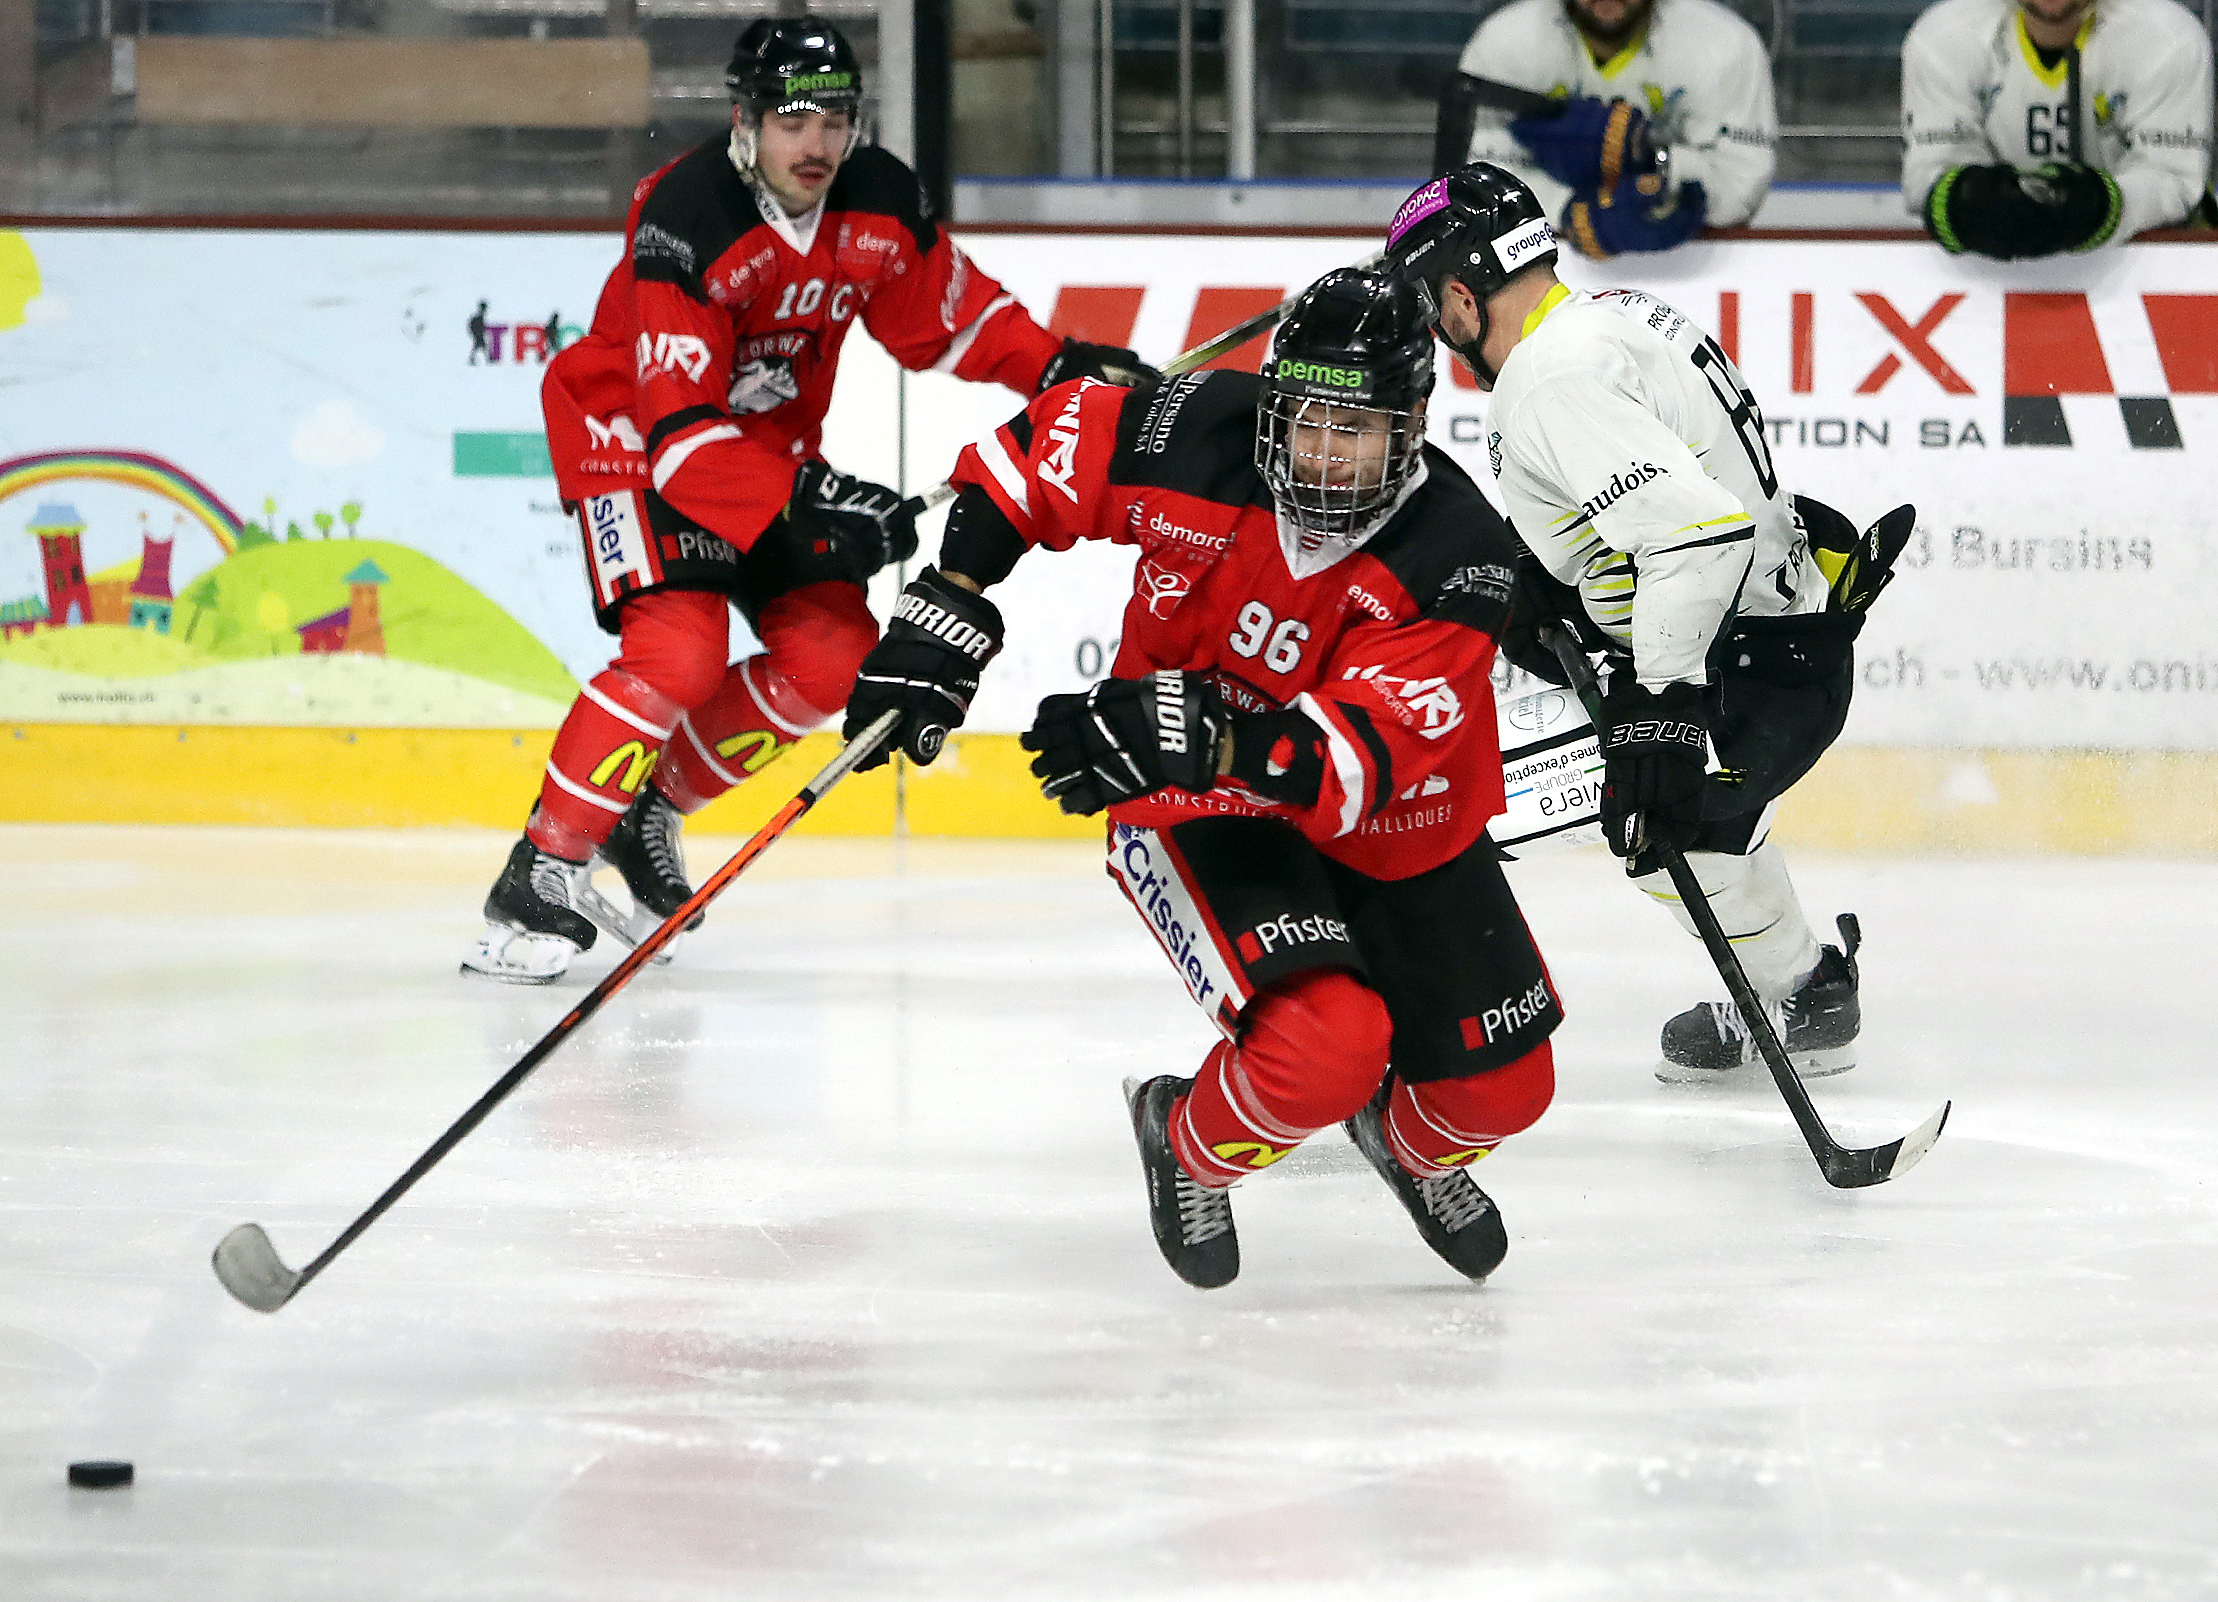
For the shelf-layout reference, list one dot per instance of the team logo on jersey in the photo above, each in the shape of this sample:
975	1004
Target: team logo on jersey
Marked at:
760	385
672	353
1163	587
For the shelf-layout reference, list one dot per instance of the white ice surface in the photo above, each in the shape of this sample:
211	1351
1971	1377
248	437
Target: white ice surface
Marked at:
816	1266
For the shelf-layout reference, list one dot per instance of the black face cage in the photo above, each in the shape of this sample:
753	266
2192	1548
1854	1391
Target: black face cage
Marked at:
1330	482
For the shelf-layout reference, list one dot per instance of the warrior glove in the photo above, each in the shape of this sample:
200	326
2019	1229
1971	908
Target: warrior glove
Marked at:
1635	216
1590	144
1112	364
875	525
1126	738
1653	757
926	668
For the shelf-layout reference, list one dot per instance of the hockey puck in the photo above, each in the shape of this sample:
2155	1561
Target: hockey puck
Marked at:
100	1475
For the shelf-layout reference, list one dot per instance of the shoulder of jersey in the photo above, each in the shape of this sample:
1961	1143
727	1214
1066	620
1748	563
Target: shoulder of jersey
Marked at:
1194	434
1521	25
1711	23
1962	21
698	209
1450	550
2162	17
881	184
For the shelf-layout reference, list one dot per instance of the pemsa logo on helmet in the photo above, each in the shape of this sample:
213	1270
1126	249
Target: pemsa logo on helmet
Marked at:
1292	371
812	82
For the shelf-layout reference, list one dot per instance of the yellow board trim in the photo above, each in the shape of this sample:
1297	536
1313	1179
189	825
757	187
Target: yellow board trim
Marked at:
1860	798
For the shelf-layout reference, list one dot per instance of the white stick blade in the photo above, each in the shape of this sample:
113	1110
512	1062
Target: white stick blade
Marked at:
248	1265
1918	1142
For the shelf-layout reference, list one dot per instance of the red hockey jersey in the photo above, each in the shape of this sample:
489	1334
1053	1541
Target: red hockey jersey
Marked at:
709	366
1388	650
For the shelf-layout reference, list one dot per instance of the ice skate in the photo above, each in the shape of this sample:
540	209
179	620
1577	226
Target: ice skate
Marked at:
1458	1220
1193	1224
532	925
1818	1024
644	850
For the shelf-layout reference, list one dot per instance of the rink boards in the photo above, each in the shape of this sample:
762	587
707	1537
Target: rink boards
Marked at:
2041	674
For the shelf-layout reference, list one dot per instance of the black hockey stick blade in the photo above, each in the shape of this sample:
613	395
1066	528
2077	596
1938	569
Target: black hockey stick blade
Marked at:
1844	1167
249	1267
246	1262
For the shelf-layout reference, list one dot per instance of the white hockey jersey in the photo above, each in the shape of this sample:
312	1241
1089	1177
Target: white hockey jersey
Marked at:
1633	462
1974	91
1699	73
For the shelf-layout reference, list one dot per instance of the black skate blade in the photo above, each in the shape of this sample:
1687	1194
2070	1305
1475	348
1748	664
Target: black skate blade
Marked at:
249	1267
1853	1170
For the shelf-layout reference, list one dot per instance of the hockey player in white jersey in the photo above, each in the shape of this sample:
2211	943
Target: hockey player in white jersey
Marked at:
1632	462
1695	72
2034	127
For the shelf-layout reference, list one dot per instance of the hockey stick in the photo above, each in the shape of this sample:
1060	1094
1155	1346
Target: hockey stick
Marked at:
245	1260
1186	361
2072	143
1844	1167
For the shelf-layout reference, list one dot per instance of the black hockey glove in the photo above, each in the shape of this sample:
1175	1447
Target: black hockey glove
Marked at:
926	668
877	524
1635	216
1590	144
1112	364
1126	738
1998	211
1534	604
1653	756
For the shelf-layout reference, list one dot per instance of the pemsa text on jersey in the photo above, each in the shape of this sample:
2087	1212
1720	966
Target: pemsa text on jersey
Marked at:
1632	460
1975	91
1699	73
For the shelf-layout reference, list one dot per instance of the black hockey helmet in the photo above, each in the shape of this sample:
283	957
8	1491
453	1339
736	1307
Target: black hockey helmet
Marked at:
1341	430
794	64
1480	226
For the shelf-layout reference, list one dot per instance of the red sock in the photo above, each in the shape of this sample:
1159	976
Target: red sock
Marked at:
1311	1051
815	637
606	748
1451	1123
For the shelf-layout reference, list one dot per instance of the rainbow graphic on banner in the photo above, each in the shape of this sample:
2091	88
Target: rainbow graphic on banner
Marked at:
135	468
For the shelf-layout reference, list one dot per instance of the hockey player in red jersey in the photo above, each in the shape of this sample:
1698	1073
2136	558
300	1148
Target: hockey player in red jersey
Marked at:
1296	748
685	429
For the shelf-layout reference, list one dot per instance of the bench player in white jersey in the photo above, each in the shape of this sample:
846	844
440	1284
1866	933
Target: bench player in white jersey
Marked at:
1692	69
1632	462
2034	127
1295	747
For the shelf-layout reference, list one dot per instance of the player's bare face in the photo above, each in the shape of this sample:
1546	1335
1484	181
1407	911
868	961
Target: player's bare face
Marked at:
1341	447
798	155
1609	22
2051	24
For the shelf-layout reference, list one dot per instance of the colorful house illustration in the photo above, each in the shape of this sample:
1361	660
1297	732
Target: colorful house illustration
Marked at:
21	617
365	633
355	626
151	600
60	533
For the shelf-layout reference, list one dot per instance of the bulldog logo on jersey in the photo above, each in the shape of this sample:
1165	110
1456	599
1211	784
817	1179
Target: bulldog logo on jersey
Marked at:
761	385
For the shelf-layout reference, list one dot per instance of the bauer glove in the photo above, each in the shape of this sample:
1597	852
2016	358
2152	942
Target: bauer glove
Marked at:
1654	754
1112	364
1126	738
1634	216
926	668
1590	145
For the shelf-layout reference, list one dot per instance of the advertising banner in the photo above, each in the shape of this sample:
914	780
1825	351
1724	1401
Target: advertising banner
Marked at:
268	478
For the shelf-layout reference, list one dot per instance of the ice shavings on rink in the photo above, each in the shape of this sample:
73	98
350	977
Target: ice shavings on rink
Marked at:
817	1266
